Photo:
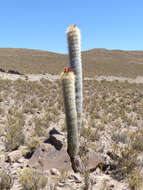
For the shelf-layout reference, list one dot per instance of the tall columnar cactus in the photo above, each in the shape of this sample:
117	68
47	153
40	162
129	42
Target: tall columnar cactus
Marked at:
73	37
68	84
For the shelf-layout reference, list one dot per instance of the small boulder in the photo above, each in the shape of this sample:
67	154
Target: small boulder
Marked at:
13	156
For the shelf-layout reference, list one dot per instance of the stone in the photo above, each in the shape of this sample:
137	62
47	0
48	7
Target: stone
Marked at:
64	187
75	177
48	157
14	72
54	171
13	156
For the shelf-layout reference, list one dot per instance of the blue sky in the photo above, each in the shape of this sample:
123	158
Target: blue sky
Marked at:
41	24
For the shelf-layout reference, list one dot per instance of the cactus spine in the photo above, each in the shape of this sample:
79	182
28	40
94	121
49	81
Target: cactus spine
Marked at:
74	47
68	84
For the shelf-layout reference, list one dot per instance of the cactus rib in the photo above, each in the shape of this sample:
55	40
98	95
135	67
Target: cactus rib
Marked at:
74	47
68	84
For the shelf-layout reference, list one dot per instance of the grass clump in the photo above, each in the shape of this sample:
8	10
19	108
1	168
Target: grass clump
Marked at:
14	136
128	164
32	179
40	128
135	180
32	143
6	180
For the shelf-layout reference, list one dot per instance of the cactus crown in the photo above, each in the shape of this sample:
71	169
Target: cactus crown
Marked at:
67	69
68	73
72	28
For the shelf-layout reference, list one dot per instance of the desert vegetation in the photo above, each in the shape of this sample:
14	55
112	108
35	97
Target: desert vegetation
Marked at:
112	126
71	133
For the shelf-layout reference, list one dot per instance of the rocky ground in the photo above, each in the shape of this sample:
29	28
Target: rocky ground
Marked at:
33	134
37	77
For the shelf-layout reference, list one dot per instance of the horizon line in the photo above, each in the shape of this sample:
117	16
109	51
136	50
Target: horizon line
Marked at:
45	50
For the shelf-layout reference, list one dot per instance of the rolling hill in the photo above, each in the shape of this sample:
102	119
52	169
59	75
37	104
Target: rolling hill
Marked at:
95	62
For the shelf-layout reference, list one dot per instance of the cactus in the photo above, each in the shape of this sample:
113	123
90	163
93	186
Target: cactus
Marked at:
68	84
73	37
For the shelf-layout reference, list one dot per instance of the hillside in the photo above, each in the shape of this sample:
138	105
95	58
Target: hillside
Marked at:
95	62
33	134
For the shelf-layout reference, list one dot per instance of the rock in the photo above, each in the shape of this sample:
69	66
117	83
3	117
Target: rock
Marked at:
2	158
2	145
13	156
98	171
54	171
2	70
76	177
63	187
48	157
101	183
14	72
93	160
15	165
